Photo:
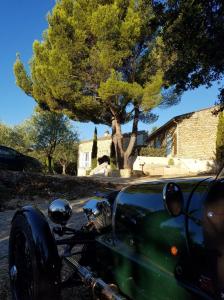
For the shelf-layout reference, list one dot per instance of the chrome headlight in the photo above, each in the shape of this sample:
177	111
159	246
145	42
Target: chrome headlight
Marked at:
60	211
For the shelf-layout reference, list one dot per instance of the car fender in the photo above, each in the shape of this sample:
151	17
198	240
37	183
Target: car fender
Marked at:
46	251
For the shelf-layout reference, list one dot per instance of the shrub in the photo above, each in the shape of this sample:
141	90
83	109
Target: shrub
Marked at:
94	163
113	166
171	162
220	140
88	172
150	151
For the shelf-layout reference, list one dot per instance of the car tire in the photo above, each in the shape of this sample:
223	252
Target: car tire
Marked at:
28	280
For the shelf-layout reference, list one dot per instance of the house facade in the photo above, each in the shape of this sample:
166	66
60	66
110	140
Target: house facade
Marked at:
191	135
189	141
103	149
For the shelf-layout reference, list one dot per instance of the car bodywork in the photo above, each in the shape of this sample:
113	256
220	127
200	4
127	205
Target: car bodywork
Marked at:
144	236
132	242
11	159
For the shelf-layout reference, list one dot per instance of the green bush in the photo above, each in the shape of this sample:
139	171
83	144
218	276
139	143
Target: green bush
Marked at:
220	140
171	162
155	152
88	172
94	163
113	166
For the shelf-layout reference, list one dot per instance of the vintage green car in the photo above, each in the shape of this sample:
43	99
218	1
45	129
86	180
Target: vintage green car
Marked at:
157	240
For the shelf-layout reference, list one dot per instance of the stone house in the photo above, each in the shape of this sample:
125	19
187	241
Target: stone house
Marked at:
192	135
104	146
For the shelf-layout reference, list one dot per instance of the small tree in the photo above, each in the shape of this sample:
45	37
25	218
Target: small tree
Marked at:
13	137
113	161
48	131
220	140
67	153
5	135
94	150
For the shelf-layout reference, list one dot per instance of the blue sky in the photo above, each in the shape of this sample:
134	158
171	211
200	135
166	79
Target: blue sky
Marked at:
21	22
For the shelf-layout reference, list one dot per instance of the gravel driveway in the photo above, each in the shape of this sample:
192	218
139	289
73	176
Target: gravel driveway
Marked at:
76	220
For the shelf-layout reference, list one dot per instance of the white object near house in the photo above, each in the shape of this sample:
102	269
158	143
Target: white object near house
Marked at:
160	166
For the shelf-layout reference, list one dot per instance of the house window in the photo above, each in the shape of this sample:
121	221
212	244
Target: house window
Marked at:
85	159
169	144
157	143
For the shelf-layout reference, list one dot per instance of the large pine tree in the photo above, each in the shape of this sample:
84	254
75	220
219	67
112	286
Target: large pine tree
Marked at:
94	65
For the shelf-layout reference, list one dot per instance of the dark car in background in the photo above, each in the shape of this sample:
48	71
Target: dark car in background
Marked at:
11	159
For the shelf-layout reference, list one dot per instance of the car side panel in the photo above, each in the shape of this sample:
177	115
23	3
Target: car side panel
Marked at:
150	248
137	276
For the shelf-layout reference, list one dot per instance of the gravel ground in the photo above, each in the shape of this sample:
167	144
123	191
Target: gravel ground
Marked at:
5	218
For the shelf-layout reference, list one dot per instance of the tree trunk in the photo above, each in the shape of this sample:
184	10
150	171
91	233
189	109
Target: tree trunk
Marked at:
64	169
123	156
49	162
133	140
117	138
126	162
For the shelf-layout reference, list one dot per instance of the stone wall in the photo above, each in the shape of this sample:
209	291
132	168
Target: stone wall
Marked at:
196	135
160	140
193	136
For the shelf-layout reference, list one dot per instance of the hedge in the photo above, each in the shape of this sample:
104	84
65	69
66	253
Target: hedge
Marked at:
155	152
